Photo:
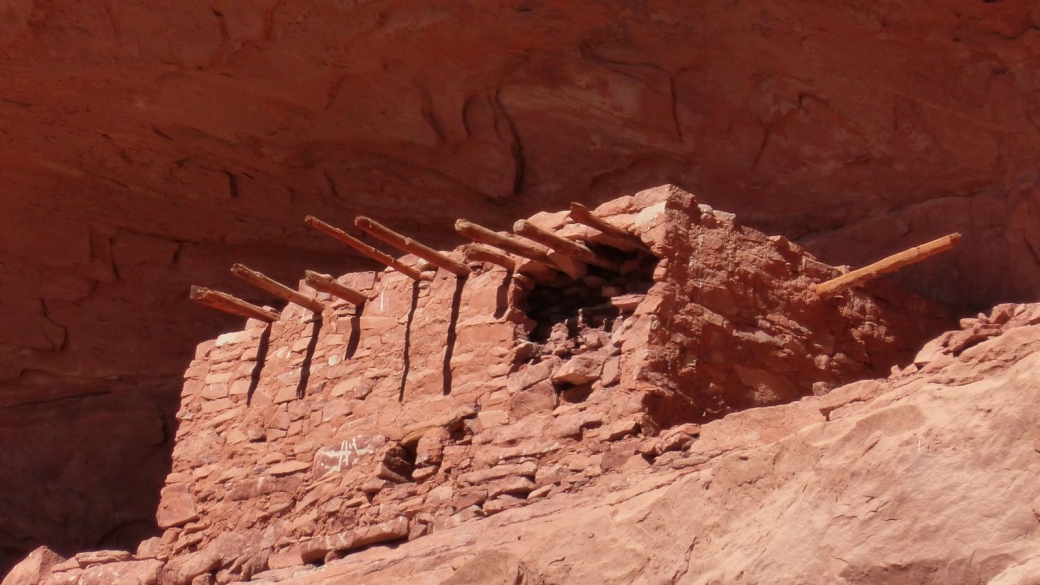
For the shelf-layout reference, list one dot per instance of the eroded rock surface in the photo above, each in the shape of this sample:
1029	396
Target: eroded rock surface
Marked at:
149	146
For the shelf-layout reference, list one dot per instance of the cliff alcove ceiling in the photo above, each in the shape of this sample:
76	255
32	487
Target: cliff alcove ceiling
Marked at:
149	146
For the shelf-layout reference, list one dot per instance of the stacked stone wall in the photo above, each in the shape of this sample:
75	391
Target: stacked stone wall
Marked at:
446	400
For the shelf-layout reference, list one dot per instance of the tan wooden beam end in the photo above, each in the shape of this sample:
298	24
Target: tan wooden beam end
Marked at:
327	284
581	214
344	237
482	253
562	245
229	304
890	264
276	288
482	235
410	246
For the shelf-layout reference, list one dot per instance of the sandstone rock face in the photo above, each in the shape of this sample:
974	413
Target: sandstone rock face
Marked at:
150	146
33	568
60	470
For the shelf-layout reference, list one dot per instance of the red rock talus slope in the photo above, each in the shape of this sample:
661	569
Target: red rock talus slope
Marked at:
147	145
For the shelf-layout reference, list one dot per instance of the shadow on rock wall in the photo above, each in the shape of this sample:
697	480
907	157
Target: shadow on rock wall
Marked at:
146	147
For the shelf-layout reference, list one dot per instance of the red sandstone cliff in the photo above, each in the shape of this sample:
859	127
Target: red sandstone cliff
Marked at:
147	145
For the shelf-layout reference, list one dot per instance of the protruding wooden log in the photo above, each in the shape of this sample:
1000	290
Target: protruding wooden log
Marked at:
410	246
482	253
890	264
342	236
327	284
482	235
229	304
276	288
562	245
581	214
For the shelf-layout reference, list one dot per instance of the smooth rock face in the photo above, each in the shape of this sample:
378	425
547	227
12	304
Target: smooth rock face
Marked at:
148	147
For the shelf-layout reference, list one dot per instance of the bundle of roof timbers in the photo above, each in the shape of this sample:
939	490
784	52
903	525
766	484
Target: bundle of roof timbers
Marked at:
528	241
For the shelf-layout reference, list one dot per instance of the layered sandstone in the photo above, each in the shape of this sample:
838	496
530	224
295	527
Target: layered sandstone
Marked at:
442	401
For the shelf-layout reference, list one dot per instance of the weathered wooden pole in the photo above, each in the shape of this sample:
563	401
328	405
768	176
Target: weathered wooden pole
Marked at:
890	264
482	235
327	284
581	214
482	253
276	288
229	304
562	245
344	237
411	246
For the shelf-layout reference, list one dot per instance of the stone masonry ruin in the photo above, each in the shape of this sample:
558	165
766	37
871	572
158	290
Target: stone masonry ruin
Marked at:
442	400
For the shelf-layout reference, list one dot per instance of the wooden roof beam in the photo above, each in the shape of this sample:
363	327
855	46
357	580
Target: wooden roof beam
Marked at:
562	245
890	264
482	253
325	283
515	246
229	304
344	237
410	246
581	214
276	288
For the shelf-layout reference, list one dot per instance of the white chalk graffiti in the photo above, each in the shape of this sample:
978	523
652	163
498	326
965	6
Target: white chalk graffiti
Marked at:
350	451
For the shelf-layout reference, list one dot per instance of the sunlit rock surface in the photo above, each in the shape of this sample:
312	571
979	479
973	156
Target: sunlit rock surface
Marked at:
148	146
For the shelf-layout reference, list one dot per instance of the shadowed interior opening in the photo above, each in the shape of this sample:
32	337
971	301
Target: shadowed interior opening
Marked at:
564	307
